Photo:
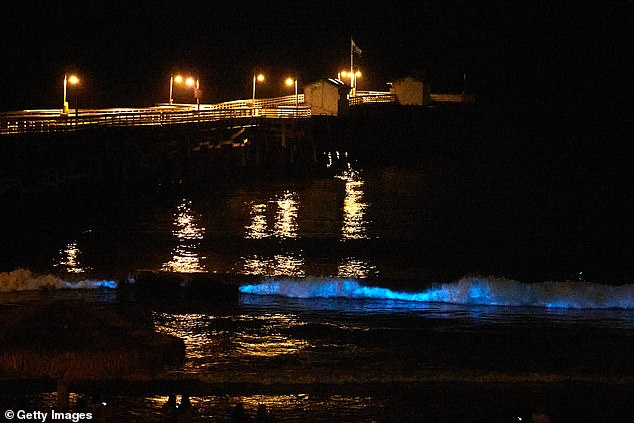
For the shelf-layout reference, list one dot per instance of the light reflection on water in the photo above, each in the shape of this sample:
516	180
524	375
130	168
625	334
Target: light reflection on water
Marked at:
279	264
212	340
69	259
257	229
354	207
285	219
355	268
286	222
189	232
284	226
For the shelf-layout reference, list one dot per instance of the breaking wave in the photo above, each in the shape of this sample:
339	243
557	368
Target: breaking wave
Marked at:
25	280
468	290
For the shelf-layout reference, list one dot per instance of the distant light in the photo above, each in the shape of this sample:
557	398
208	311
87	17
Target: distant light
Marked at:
73	79
178	79
190	81
290	81
357	74
344	74
260	77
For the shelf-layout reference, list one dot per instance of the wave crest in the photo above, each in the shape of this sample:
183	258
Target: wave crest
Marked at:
468	290
25	280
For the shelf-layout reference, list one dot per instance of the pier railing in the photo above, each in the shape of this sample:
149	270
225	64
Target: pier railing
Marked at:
364	97
54	121
290	106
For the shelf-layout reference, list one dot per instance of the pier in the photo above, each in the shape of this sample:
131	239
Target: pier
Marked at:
56	120
290	135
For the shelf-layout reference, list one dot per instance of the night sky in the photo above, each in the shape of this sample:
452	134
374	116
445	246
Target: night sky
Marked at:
124	51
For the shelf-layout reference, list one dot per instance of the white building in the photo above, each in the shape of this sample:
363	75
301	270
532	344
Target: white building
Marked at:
327	97
411	91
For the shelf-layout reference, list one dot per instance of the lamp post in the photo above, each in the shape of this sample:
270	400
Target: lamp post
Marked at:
73	80
197	93
256	78
190	82
171	88
353	80
174	78
293	81
195	84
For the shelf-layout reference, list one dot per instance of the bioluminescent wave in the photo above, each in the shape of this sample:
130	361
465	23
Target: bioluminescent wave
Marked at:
25	280
471	290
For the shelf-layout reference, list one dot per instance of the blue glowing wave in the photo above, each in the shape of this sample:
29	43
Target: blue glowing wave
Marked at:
89	284
473	291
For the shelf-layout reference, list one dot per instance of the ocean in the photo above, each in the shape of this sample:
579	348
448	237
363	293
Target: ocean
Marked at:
450	288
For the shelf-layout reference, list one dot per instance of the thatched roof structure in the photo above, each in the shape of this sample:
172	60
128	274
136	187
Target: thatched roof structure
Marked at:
74	340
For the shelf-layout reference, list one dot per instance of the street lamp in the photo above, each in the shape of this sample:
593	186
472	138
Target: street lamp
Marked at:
190	82
195	84
353	79
73	80
256	78
290	82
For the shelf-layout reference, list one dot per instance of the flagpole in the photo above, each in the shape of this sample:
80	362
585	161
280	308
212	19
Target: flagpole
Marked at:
352	77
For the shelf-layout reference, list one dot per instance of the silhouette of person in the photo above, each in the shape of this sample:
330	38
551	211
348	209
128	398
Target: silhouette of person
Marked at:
185	410
238	415
169	409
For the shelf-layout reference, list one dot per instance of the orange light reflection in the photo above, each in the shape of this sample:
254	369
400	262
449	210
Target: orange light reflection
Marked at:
69	259
354	208
188	230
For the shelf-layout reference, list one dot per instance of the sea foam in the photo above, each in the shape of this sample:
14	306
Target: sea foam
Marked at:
469	290
25	280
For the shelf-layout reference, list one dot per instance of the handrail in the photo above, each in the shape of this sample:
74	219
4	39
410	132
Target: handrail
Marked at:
372	93
54	121
373	98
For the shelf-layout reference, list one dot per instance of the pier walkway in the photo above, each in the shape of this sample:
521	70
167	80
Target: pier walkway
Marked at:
52	120
290	106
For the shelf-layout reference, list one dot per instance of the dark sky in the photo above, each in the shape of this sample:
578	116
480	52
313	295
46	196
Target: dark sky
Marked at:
124	50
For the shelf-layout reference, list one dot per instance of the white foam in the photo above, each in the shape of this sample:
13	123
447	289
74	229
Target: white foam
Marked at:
25	280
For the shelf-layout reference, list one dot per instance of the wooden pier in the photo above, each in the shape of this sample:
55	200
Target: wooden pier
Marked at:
158	145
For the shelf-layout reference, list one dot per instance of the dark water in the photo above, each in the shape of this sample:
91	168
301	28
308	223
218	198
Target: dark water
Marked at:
443	289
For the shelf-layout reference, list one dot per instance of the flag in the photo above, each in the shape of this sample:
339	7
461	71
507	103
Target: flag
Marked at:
355	48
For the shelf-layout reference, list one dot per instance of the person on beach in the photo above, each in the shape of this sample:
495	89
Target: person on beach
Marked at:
169	409
263	415
185	411
238	415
